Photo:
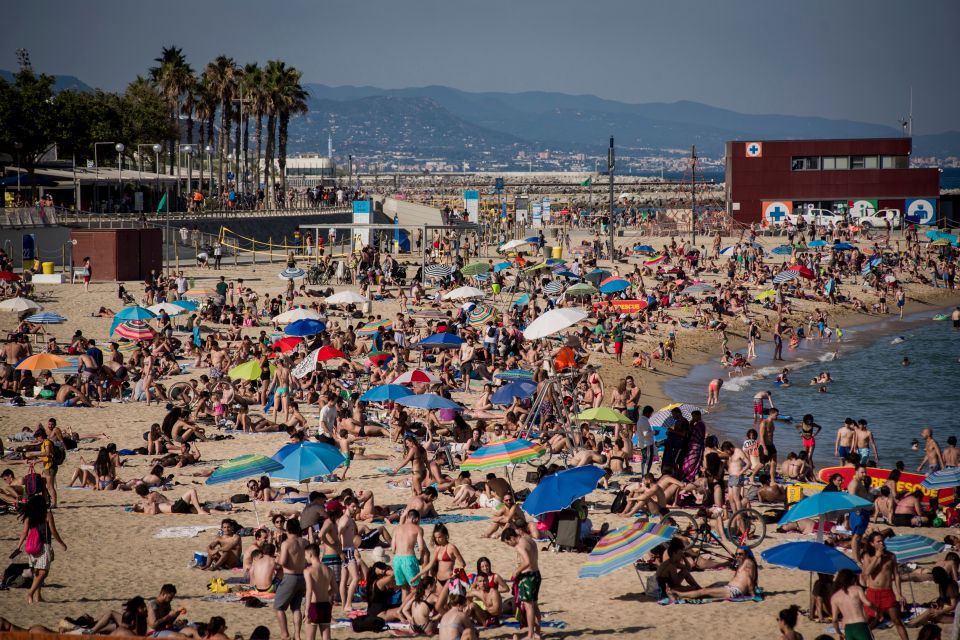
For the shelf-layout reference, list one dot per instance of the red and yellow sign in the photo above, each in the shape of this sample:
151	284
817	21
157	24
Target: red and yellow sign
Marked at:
621	306
908	481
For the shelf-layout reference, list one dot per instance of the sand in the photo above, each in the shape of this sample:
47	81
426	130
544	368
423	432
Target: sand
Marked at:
113	555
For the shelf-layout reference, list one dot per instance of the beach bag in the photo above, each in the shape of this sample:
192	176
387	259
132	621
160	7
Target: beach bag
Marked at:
619	502
368	624
59	455
33	545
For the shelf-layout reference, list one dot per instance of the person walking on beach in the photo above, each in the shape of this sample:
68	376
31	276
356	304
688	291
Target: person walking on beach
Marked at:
646	440
407	537
932	457
36	540
847	604
808	430
292	587
527	576
320	592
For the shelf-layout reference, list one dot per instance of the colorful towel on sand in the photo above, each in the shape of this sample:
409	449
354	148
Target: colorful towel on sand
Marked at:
453	518
389	471
184	532
755	598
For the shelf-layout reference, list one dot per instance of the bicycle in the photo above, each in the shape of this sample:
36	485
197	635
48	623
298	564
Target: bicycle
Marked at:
744	528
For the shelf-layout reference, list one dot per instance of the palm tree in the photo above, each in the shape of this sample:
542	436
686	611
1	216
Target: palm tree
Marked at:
291	100
273	77
251	77
221	77
206	109
255	91
171	75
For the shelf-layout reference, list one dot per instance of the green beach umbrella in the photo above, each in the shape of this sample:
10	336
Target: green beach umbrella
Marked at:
536	267
249	370
475	268
603	414
581	289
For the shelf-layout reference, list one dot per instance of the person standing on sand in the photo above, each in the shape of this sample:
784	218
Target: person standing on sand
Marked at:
527	577
932	457
844	442
847	604
293	586
406	537
36	539
955	317
320	592
883	582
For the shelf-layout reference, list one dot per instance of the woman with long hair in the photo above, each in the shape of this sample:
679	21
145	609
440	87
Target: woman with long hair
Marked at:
104	470
39	532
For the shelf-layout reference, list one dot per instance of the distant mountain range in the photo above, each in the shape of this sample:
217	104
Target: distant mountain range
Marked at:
448	124
62	83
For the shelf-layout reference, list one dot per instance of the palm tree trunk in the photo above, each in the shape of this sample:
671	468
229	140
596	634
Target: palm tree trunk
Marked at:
238	113
258	134
222	141
268	164
246	143
282	150
203	156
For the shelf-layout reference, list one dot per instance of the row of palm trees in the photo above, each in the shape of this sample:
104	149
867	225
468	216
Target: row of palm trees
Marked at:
236	94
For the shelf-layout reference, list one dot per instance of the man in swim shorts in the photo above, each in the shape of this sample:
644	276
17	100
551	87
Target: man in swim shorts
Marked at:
293	586
527	576
409	534
320	591
844	440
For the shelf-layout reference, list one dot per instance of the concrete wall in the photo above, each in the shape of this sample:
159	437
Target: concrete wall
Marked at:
50	242
411	214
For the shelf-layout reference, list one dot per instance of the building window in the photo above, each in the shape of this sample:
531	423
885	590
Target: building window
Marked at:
829	162
894	162
864	162
805	163
843	162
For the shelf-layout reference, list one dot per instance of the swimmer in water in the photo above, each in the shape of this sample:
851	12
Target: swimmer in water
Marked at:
823	389
897	340
905	362
713	392
783	380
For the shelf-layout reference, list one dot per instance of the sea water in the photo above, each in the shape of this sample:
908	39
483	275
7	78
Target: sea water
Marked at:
870	383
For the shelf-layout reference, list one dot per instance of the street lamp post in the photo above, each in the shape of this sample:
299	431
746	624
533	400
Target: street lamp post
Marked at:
209	150
96	163
156	167
181	148
156	149
120	149
190	151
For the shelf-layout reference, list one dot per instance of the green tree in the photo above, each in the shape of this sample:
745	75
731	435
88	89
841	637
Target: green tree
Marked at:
171	76
27	117
291	100
221	76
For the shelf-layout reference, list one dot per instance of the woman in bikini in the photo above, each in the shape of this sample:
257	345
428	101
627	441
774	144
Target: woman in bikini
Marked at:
444	562
808	430
416	457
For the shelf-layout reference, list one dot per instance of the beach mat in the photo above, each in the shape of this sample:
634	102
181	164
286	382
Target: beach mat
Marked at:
184	532
452	518
666	601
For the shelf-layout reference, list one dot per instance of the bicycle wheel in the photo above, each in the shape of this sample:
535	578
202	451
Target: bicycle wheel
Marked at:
746	528
687	526
181	393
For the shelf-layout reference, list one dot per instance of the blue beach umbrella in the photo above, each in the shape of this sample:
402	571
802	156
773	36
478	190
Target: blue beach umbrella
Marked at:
644	248
943	479
303	460
500	266
823	503
506	393
46	317
558	490
816	244
913	547
189	305
385	392
782	250
726	251
134	313
441	341
809	556
842	246
566	274
428	401
305	327
521	301
615	286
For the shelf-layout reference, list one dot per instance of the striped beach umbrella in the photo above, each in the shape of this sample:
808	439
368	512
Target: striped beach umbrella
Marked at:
803	271
614	284
624	546
250	464
475	268
437	270
46	317
292	273
913	547
378	357
580	289
514	374
501	454
785	276
134	313
943	479
416	375
552	287
135	330
481	314
654	261
371	327
662	417
43	361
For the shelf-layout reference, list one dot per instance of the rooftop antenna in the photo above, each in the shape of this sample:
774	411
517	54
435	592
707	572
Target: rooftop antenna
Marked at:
906	126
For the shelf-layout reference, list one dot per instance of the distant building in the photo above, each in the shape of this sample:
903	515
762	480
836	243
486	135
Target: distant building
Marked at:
766	180
308	170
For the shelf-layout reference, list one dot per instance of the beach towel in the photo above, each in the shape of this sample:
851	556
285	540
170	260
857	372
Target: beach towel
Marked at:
389	471
452	518
757	597
399	484
184	532
546	624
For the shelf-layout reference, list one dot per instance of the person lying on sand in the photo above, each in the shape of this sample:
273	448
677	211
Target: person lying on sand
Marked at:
153	503
742	584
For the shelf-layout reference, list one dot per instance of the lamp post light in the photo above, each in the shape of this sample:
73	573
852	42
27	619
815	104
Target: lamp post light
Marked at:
190	151
156	168
181	149
209	150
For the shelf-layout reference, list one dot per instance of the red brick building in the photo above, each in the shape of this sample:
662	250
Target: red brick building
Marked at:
766	179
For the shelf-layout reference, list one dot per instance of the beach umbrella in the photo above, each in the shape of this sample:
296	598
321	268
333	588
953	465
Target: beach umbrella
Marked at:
686	410
9	276
566	274
46	317
440	341
700	287
502	453
785	276
416	375
482	277
429	401
189	305
481	314
385	392
134	330
250	464
763	295
554	321
659	435
305	327
475	268
43	361
597	275
556	262
580	289
378	357
346	297
603	414
909	548
940	242
623	546
514	374
297	313
644	248
168	307
614	284
200	292
292	273
437	270
463	293
552	287
510	245
804	272
810	556
19	305
726	251
505	394
285	345
816	244
303	460
536	267
558	490
522	301
502	266
843	246
134	313
820	504
782	250
249	370
654	261
371	327
943	479
327	352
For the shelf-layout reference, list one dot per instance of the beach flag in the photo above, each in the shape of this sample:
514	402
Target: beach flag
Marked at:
587	182
162	203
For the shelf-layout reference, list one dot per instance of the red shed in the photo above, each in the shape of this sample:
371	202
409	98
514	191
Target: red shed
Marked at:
118	254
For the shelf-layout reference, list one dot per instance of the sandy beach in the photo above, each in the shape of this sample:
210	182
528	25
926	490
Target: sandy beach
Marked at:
113	555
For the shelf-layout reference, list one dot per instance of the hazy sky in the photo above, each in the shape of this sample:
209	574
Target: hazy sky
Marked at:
854	59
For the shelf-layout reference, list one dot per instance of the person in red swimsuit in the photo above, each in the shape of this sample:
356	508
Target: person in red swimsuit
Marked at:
883	582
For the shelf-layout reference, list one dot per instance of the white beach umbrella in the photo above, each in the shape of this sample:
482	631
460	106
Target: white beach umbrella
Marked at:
463	293
553	321
510	245
293	315
346	297
170	308
18	305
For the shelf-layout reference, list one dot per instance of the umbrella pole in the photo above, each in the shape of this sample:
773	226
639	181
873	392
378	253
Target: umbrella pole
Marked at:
820	526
